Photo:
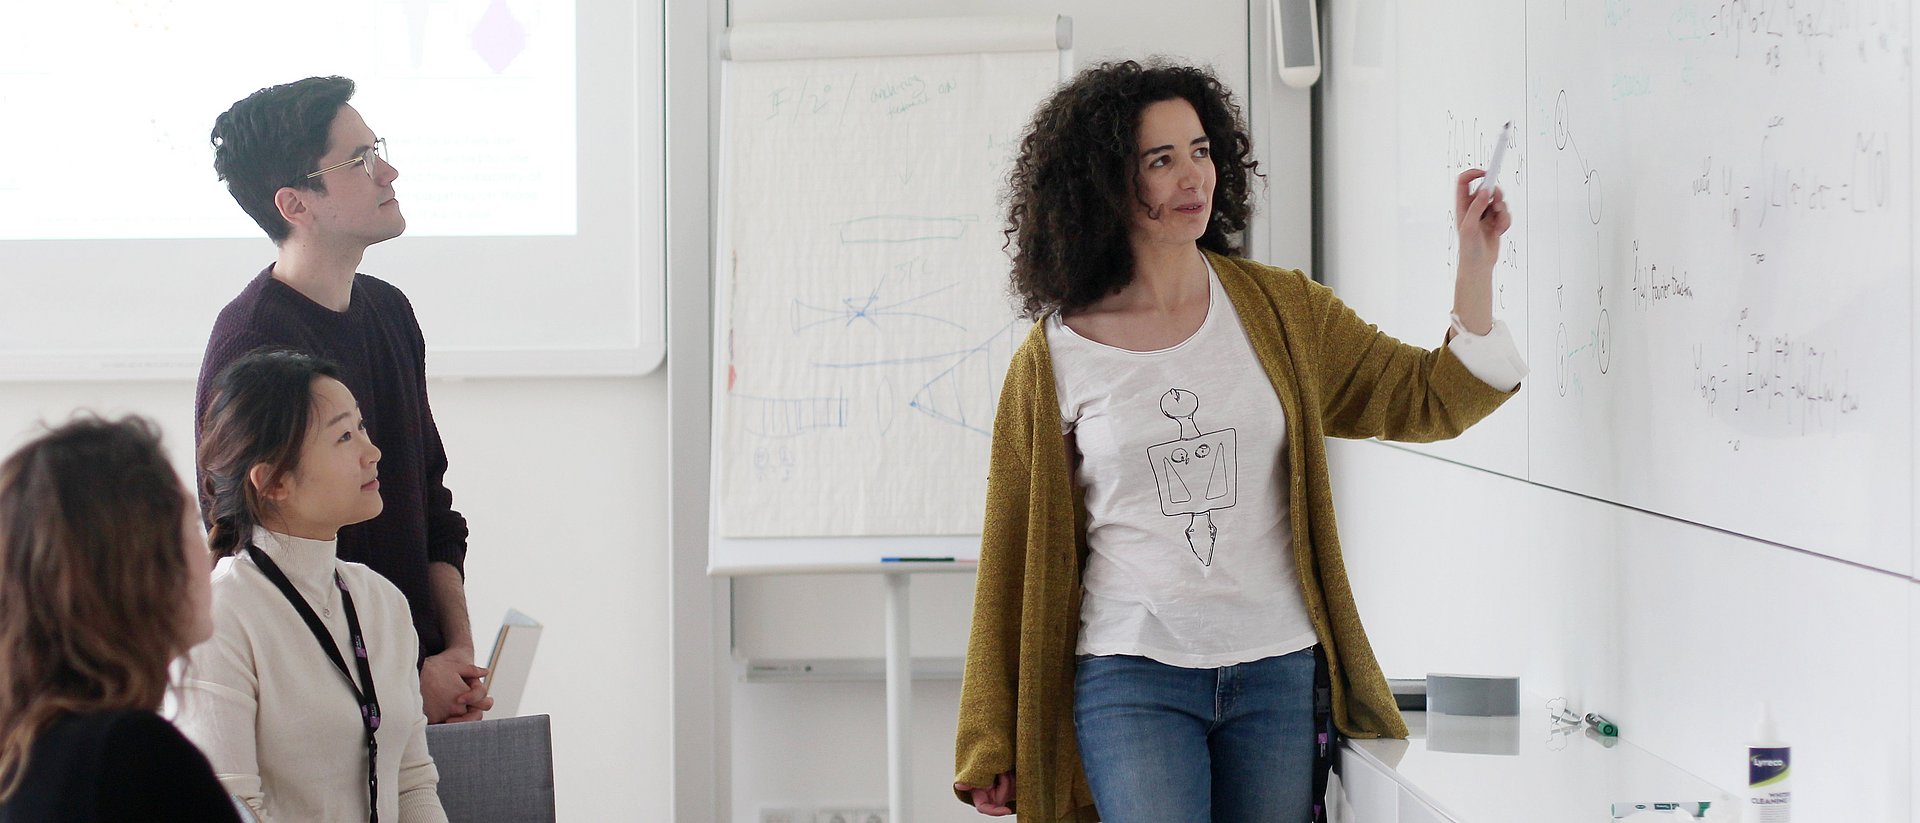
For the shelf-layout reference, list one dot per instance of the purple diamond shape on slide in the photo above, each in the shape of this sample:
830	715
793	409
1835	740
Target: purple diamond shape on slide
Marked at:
499	37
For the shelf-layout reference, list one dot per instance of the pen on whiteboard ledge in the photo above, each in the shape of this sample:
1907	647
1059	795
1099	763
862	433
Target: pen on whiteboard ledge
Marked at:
1697	809
1499	154
1602	725
916	560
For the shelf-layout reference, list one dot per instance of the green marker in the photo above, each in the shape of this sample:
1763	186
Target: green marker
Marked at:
1602	725
1621	810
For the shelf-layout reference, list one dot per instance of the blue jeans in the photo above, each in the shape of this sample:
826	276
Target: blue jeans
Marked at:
1163	744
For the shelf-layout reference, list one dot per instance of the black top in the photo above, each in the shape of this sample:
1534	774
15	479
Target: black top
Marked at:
117	766
383	361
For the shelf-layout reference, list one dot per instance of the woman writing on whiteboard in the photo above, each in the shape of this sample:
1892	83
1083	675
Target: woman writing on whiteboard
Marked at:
307	698
1160	585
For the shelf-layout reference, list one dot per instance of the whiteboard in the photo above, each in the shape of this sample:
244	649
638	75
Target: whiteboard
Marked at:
527	139
1711	264
862	322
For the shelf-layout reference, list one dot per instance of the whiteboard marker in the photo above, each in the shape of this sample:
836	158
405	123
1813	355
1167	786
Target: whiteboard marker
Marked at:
1696	809
1499	154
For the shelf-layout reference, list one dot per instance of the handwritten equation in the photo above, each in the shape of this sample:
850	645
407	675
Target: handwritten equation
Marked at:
1860	182
1787	34
1792	382
1654	284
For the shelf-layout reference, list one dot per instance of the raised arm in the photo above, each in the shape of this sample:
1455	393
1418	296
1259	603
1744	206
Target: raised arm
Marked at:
1480	218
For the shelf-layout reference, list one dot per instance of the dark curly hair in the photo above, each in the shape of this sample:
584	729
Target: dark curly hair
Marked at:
270	141
1071	193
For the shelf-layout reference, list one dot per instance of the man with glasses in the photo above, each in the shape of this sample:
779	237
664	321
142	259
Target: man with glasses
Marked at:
304	165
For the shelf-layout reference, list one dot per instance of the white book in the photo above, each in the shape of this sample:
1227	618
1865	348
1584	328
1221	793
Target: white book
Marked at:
511	662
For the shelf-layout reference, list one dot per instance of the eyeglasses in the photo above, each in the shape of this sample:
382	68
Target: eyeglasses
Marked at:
365	158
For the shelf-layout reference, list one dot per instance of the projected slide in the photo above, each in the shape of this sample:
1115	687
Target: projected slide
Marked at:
106	134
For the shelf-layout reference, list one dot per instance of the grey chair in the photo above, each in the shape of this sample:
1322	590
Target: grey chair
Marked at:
495	771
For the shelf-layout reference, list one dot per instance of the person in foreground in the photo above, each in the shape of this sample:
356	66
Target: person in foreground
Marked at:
306	699
1162	628
103	581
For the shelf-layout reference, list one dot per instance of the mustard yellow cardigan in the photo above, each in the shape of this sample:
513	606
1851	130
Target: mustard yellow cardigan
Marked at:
1336	376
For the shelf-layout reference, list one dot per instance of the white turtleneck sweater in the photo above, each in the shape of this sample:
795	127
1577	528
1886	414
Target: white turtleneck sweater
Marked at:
271	710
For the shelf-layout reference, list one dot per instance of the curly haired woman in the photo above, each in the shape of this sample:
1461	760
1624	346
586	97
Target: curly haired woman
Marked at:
1161	595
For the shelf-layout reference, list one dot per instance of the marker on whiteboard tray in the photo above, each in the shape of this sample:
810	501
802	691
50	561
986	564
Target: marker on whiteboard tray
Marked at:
1697	809
916	560
1499	154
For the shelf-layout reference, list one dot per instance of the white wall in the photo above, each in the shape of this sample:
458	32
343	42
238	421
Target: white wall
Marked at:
563	484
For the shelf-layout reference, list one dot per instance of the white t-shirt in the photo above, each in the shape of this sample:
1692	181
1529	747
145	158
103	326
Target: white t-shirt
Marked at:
1182	463
1186	494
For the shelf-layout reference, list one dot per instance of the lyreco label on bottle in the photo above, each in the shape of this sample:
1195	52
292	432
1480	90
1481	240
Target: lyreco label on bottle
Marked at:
1768	798
1766	767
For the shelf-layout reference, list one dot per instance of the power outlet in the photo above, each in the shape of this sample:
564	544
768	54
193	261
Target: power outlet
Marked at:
850	815
785	814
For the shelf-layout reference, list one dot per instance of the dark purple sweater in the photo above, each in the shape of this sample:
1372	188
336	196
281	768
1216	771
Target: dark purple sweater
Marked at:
383	361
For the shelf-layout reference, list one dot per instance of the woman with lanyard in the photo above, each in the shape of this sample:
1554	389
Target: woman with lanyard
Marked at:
1162	625
307	698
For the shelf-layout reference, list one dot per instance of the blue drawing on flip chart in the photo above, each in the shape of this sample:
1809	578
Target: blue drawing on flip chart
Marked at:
774	463
963	393
966	393
790	416
868	307
1196	474
884	405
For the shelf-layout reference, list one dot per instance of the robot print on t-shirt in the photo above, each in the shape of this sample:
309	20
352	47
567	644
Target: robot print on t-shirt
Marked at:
1196	473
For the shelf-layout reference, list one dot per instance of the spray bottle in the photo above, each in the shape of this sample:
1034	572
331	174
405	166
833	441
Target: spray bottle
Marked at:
1769	797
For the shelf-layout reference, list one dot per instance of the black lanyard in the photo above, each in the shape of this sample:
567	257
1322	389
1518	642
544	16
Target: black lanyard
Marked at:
369	702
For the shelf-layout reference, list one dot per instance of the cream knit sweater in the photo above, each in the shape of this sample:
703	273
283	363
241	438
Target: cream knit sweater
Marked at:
273	713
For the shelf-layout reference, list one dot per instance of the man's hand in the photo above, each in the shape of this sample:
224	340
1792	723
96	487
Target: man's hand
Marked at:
450	687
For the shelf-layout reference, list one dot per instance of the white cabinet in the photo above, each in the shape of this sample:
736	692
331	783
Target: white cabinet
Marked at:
1415	810
1501	770
1368	794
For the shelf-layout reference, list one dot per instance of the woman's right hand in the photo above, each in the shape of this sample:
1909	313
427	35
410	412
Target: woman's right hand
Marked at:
995	800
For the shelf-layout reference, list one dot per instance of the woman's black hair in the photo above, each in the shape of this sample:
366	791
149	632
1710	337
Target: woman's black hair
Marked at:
258	413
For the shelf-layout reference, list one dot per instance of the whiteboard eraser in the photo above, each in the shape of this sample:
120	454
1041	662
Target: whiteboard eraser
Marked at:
1408	694
1478	695
1464	734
